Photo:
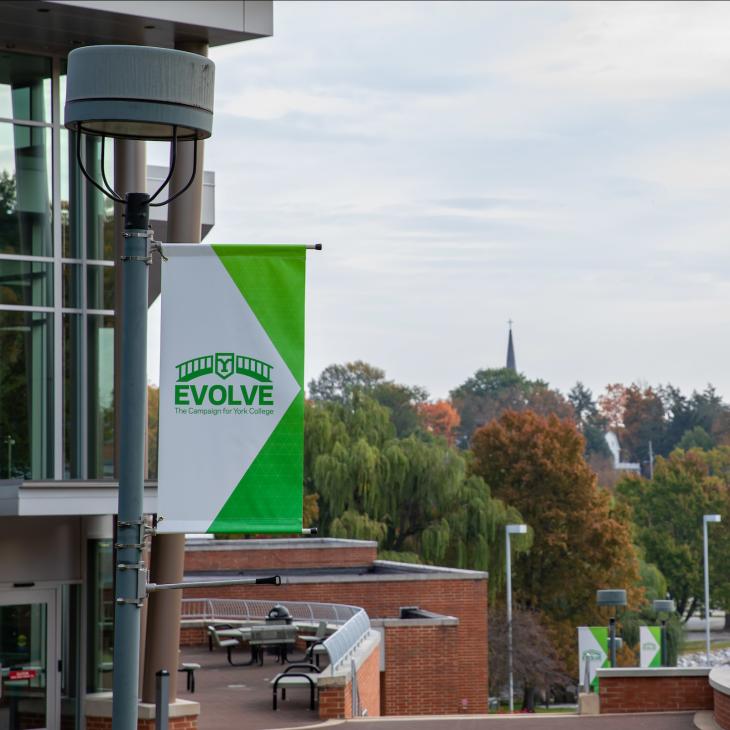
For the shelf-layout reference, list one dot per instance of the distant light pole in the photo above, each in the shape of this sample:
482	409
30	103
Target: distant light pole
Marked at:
613	598
705	520
10	441
511	530
665	607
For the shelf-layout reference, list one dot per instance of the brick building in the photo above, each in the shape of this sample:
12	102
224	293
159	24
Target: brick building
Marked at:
435	663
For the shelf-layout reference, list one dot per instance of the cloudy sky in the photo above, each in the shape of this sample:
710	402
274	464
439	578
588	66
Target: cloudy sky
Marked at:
566	165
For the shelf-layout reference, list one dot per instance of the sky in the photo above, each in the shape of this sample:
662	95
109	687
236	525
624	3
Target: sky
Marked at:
563	165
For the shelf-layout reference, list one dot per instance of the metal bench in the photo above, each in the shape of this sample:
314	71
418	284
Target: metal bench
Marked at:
297	675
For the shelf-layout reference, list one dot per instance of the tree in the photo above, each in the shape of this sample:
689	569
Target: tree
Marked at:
490	393
696	438
611	406
535	662
590	422
581	540
643	422
440	418
412	494
153	428
668	513
339	383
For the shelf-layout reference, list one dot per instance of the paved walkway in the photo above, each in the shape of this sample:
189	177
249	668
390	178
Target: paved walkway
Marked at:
662	721
240	697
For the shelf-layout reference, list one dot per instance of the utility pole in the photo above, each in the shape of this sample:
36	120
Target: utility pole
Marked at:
651	461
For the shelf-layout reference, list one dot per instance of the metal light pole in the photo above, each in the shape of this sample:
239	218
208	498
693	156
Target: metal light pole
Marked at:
10	441
613	598
705	520
143	93
510	530
666	607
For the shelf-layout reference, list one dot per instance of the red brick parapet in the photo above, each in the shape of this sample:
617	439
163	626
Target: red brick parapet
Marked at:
660	689
720	684
335	690
277	554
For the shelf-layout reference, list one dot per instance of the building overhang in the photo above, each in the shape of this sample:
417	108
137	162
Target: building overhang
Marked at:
59	26
66	498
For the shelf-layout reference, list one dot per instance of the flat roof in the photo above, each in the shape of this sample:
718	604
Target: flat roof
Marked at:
378	572
54	498
59	26
195	544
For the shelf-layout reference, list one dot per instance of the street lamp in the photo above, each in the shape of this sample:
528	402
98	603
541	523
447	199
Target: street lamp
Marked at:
666	607
140	93
705	520
511	530
614	598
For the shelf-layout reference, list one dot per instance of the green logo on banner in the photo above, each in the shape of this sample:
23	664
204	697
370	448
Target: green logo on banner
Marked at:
224	365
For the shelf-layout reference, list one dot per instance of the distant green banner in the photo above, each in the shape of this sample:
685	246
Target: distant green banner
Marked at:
592	655
650	640
232	389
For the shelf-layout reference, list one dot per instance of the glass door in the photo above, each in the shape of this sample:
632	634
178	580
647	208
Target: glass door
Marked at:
28	660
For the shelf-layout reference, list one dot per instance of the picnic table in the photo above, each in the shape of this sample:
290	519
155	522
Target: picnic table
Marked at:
260	636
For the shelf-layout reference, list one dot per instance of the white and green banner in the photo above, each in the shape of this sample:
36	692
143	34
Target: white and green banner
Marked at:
592	654
650	642
231	424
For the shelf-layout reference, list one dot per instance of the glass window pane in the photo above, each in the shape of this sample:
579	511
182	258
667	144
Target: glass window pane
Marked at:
72	286
73	384
99	208
70	655
25	190
28	283
81	201
24	659
100	613
99	287
26	394
25	87
100	376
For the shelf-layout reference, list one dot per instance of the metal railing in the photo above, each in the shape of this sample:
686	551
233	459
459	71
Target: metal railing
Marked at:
353	622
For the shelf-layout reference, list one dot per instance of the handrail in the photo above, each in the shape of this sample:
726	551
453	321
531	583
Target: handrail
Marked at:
352	621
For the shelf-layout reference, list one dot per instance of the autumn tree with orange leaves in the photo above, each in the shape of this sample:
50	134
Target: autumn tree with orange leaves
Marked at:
440	418
582	542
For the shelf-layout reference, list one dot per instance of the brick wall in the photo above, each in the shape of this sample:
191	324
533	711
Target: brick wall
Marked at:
417	679
175	723
335	701
237	558
722	709
621	694
466	674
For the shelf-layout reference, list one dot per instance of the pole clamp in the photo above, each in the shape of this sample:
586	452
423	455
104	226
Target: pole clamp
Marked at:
129	601
149	233
123	545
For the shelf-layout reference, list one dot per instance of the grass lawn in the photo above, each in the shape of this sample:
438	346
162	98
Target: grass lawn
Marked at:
692	647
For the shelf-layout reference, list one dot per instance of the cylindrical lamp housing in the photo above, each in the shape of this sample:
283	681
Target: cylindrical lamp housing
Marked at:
662	605
611	597
139	92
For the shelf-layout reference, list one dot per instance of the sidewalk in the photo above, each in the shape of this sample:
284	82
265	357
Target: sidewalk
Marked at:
660	721
236	697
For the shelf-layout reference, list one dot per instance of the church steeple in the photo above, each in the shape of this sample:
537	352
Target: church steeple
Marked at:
511	362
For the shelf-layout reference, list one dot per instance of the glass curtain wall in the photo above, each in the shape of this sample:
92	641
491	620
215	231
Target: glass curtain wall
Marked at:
56	285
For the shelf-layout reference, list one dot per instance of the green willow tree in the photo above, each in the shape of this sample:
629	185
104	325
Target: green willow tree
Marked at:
412	494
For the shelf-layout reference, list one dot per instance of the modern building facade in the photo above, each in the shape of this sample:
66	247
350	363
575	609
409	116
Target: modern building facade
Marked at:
57	344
